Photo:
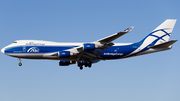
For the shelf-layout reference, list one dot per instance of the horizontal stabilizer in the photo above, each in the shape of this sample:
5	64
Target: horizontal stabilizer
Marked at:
164	45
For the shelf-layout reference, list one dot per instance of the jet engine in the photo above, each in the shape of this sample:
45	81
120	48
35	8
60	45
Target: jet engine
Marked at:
88	46
64	54
66	62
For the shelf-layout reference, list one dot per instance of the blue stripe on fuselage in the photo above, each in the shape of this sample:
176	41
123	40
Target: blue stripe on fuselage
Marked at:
116	52
37	49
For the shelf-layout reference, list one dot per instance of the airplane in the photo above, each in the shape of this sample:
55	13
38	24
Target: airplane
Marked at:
85	54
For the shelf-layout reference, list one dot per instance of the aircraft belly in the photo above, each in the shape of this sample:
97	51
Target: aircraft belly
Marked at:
27	56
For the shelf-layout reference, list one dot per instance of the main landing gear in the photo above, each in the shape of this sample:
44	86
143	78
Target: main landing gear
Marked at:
20	64
86	64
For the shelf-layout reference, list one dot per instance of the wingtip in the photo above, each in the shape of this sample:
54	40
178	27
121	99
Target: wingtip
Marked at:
132	27
129	29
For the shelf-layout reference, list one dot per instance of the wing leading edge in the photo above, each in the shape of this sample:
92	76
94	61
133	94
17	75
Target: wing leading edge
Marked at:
115	36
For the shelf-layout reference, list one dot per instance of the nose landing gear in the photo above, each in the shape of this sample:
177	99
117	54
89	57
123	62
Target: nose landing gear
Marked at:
20	64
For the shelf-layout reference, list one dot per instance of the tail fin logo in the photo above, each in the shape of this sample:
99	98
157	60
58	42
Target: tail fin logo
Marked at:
33	50
156	37
161	34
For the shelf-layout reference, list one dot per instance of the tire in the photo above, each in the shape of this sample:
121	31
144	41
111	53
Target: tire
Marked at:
20	64
81	67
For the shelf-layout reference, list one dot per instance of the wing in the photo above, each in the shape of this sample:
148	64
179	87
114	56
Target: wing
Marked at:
105	43
87	51
115	36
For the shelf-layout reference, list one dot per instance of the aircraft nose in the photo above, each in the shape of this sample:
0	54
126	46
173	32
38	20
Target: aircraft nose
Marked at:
2	50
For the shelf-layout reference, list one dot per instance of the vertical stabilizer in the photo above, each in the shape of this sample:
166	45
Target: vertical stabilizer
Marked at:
161	34
158	36
165	29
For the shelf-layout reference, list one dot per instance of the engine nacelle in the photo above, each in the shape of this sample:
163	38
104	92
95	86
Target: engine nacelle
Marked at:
64	54
66	62
88	46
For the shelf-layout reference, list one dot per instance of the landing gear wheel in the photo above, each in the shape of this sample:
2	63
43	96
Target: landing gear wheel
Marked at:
79	64
85	64
20	64
89	65
81	67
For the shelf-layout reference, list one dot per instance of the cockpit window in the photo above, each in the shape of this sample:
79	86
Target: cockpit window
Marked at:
15	42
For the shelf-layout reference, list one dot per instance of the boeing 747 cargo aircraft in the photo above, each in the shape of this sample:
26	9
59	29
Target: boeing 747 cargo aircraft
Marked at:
85	54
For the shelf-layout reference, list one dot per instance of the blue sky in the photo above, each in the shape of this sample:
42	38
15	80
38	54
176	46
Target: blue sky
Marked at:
152	77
